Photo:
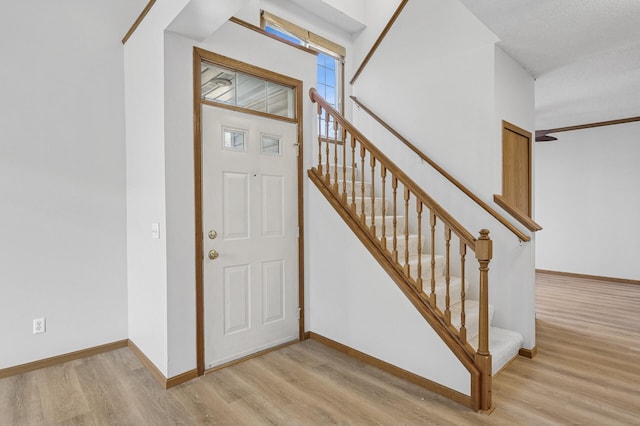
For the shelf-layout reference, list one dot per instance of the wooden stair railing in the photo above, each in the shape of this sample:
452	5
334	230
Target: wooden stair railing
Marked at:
378	41
389	213
517	232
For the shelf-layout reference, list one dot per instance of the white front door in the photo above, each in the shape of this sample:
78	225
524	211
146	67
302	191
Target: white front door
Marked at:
250	220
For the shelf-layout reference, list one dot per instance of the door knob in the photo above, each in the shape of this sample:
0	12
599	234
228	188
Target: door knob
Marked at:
213	234
213	255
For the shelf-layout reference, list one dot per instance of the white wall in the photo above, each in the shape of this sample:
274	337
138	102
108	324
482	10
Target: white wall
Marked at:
513	267
440	81
376	16
62	176
146	199
354	302
356	9
179	194
587	200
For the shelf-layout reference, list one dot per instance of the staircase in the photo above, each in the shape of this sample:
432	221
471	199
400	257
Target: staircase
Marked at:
503	344
421	246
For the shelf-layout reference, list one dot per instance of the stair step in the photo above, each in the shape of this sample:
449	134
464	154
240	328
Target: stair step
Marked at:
377	205
358	187
401	245
504	345
471	318
440	264
348	171
455	286
388	223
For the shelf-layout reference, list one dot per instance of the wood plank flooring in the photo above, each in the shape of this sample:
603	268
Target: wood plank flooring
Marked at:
587	371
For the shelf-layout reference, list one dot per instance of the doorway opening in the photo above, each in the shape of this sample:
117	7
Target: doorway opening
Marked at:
248	164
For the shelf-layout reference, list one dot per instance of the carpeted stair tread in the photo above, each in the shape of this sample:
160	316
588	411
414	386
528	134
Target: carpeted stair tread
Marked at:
358	187
504	345
377	203
388	225
471	318
349	172
401	244
455	289
426	266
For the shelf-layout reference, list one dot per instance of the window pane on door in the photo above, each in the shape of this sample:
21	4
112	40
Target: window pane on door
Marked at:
234	139
271	145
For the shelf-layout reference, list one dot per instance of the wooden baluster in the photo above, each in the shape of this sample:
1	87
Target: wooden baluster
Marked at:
407	196
419	277
383	239
320	139
447	275
394	185
335	154
373	194
363	215
463	314
484	253
344	166
353	173
432	223
326	136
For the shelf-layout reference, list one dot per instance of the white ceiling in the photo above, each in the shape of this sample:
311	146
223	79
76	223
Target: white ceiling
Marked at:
584	54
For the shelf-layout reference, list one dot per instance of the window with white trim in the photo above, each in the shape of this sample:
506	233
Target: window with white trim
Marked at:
330	65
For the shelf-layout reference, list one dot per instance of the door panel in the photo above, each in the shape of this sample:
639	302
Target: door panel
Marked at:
237	304
249	169
273	213
273	283
516	168
237	205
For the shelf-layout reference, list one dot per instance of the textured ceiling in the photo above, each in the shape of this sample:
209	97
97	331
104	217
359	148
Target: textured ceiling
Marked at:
584	54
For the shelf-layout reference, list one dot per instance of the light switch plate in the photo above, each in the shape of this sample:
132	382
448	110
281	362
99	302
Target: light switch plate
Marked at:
155	231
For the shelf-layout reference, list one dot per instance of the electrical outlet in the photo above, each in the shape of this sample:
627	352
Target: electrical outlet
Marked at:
39	326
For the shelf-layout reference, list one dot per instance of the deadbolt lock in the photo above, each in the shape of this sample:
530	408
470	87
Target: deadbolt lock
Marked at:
213	255
213	234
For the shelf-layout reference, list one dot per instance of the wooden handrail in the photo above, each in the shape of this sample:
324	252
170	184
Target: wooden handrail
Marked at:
138	21
518	233
591	125
395	218
468	238
520	217
378	41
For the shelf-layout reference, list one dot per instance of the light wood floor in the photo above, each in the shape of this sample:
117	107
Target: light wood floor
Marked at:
587	372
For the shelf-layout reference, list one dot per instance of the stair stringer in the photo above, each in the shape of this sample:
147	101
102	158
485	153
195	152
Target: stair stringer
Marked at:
466	396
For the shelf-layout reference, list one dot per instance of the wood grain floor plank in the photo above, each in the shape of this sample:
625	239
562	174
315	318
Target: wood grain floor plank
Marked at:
105	393
587	371
205	405
20	400
60	392
153	403
331	396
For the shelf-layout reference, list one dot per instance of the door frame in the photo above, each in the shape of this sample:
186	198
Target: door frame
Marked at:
199	55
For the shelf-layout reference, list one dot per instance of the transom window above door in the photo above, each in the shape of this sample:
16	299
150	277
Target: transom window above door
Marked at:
237	89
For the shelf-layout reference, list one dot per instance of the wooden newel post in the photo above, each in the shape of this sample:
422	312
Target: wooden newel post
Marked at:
484	253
